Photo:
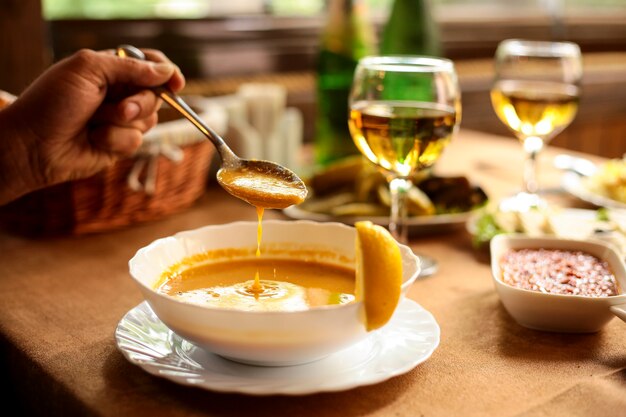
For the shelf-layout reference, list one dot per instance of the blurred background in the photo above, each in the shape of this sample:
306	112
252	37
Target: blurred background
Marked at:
220	44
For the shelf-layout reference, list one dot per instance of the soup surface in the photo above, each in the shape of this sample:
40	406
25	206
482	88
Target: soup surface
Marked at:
286	285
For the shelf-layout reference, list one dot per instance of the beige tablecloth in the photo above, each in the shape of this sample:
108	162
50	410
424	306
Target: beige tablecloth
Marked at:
61	299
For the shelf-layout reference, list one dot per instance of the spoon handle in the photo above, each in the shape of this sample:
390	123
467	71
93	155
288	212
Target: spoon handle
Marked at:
177	103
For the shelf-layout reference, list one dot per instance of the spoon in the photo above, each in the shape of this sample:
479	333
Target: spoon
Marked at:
261	183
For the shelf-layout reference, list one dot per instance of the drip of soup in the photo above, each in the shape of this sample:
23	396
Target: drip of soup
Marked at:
287	284
256	286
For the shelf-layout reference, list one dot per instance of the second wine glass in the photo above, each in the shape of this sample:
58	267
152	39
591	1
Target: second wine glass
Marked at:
535	94
404	110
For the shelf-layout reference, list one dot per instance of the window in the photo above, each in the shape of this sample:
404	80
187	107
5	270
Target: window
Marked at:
472	9
163	9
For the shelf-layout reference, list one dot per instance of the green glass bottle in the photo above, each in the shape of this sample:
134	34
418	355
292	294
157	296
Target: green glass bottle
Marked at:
411	30
347	37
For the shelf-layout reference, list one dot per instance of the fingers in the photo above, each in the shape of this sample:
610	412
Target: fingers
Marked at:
118	125
157	69
177	81
138	73
104	69
119	141
130	110
118	128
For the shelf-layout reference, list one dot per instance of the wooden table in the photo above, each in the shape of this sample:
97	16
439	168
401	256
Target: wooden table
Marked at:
61	299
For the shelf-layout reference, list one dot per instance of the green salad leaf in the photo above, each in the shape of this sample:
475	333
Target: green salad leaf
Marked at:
486	229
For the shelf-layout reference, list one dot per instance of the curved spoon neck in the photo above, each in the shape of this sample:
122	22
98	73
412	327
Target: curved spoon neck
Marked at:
228	157
226	154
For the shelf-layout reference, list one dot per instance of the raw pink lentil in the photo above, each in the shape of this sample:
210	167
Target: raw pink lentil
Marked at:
558	272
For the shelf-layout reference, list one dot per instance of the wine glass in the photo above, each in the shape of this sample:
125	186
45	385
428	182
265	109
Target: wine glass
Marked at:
404	110
535	94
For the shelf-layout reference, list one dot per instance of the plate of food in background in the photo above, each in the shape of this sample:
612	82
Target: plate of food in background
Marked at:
352	190
604	224
603	185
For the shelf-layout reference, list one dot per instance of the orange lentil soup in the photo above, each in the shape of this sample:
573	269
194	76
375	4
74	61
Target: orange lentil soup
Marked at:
287	284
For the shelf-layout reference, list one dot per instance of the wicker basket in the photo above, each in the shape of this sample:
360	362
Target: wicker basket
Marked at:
147	187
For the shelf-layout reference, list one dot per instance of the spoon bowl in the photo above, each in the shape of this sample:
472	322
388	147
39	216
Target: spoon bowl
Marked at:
261	183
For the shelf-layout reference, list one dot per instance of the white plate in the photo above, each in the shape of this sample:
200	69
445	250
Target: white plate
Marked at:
417	224
406	341
573	223
574	184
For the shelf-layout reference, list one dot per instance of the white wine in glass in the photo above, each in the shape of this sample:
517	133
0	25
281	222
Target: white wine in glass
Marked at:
535	94
404	110
402	137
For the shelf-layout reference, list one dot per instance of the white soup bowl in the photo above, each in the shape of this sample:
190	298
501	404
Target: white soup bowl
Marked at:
261	338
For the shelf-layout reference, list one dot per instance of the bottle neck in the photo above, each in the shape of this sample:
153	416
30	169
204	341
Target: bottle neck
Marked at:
348	30
343	7
411	30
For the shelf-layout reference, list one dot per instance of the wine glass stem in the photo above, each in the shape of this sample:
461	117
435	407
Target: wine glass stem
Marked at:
532	146
399	188
530	173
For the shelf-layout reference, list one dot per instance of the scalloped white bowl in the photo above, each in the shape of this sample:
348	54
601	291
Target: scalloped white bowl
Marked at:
555	312
261	338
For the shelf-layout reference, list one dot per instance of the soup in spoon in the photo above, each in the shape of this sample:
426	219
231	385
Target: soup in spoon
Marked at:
262	185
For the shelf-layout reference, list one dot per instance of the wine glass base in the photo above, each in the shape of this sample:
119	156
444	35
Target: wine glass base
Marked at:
428	265
522	202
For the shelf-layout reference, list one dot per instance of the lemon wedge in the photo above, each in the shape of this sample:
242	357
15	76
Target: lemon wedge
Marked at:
378	273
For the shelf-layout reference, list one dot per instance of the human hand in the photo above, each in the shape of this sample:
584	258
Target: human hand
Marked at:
81	115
